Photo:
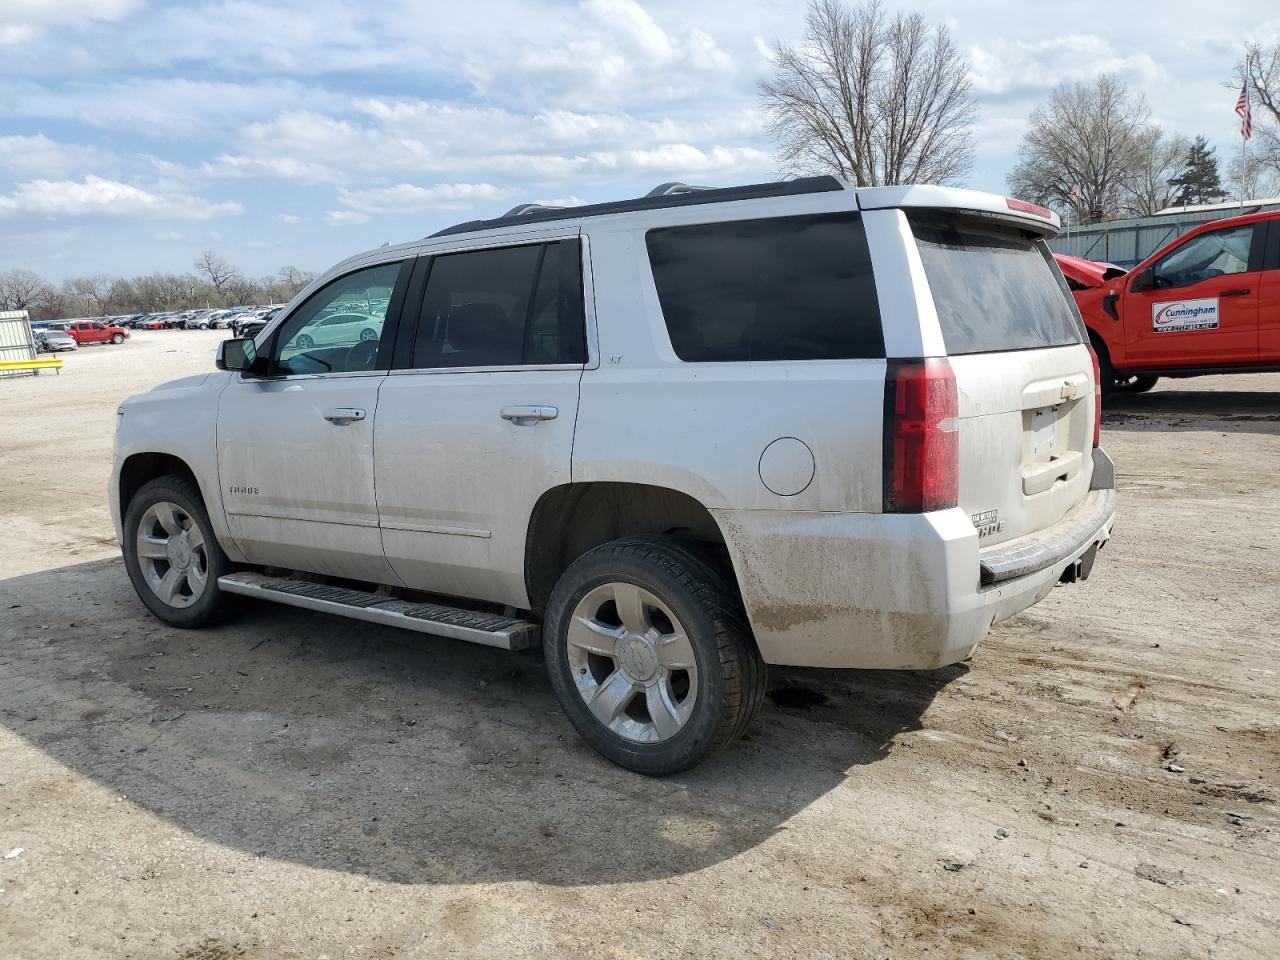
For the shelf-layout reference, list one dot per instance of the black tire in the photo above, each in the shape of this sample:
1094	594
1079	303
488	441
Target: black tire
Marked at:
704	599
368	334
304	342
213	604
117	338
1137	384
1106	372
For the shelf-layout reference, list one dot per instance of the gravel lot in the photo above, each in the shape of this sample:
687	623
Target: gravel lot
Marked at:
1101	780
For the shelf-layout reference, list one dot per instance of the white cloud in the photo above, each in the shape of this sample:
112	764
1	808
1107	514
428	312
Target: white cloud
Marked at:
609	50
23	20
394	138
1009	66
290	218
340	217
98	197
23	156
177	108
407	198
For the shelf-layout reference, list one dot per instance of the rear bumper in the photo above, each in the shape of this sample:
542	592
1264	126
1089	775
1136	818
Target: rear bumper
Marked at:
1045	548
894	591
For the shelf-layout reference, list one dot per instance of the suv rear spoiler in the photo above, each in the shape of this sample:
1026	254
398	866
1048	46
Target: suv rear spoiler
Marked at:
1040	219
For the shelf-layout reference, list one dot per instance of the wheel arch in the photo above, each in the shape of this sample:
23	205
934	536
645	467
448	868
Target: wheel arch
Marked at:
570	519
139	468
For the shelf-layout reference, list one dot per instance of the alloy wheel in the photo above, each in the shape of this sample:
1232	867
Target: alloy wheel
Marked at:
632	662
172	554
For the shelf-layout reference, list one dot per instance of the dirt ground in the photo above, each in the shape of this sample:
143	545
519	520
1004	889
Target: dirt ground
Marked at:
1100	781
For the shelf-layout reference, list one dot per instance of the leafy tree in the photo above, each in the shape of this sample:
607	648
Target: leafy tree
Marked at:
1198	182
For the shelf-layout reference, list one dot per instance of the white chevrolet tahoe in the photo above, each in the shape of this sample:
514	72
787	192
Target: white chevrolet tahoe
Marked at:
671	439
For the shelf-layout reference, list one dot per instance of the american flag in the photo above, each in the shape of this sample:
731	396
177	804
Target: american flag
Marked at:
1245	114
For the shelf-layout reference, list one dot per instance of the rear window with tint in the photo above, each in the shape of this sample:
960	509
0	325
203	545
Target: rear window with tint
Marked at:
787	288
994	288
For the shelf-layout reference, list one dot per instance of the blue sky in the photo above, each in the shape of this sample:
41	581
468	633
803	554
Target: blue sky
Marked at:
136	133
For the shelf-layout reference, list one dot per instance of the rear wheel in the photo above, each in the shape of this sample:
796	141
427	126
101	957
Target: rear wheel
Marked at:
172	555
1136	384
304	342
650	655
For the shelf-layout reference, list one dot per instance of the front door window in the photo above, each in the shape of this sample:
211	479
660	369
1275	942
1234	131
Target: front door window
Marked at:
340	328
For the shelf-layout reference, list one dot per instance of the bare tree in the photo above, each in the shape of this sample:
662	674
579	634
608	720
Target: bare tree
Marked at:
1157	162
876	99
292	280
1262	66
219	271
1082	148
89	295
241	290
19	289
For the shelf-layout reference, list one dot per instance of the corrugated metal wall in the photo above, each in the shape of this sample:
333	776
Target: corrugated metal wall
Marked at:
1129	242
16	342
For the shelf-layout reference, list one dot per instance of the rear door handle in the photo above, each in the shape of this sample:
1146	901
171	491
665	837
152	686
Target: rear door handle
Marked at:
522	415
1240	292
341	416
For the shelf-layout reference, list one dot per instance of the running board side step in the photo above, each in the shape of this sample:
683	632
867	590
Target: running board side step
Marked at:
473	626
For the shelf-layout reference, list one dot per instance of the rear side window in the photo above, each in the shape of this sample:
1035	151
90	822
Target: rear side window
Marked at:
508	306
994	288
786	288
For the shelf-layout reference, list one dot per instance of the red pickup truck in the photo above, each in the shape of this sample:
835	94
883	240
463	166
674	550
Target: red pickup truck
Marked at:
1208	302
91	331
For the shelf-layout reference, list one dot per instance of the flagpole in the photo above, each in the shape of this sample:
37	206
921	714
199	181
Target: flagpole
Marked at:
1244	139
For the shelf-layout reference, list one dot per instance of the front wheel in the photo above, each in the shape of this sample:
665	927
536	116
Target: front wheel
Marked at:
117	338
172	555
304	342
650	655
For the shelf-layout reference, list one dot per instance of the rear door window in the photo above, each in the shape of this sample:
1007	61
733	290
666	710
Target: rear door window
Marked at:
994	287
506	306
785	288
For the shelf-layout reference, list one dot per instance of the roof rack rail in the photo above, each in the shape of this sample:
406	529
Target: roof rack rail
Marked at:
672	187
525	209
667	195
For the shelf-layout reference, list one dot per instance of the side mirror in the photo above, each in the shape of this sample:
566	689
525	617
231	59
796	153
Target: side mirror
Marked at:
1146	280
239	354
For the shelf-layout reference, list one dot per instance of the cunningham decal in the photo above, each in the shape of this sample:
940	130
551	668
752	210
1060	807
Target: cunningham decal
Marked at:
1185	315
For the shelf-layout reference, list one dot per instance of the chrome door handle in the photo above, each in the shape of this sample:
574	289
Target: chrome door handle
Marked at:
529	414
341	416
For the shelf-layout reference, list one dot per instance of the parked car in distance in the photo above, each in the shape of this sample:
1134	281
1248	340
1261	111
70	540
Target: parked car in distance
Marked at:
1205	303
672	439
249	326
92	331
53	341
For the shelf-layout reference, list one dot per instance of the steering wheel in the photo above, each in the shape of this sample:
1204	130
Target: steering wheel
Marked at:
362	354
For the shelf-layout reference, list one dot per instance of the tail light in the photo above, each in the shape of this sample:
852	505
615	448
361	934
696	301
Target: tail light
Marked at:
921	443
1097	398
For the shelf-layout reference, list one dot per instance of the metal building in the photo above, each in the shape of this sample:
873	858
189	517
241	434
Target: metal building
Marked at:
1128	242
